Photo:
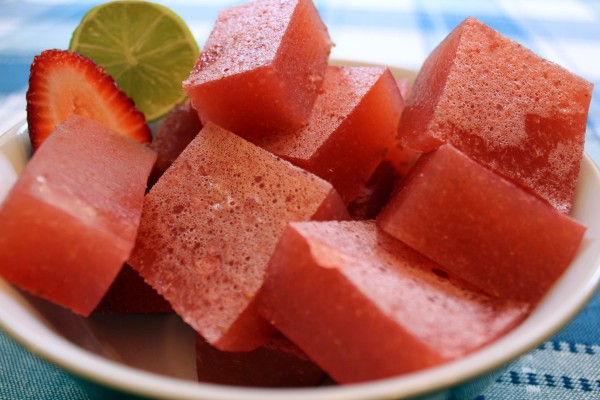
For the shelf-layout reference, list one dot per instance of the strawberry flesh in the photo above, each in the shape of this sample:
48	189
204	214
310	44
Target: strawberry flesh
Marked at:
62	83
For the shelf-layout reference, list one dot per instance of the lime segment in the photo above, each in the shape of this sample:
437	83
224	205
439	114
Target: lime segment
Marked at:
145	47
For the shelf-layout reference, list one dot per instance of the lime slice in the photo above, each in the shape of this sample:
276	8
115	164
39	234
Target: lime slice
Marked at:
145	47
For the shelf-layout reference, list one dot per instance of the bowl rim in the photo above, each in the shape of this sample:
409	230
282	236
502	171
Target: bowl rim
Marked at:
80	362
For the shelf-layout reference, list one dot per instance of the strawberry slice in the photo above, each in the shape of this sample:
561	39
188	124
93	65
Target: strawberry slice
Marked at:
62	83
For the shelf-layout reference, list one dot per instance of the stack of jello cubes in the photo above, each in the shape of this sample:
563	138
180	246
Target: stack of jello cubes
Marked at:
248	235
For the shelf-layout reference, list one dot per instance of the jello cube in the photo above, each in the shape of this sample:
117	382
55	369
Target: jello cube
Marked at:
70	222
365	306
277	363
174	133
210	224
261	67
499	103
353	124
481	227
129	294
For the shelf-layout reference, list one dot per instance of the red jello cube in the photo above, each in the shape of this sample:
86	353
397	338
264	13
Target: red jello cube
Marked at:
481	226
365	306
210	224
277	363
70	222
175	132
261	67
353	124
129	294
499	103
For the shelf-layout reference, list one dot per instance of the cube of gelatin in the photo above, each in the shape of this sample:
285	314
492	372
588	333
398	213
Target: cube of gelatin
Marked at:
351	128
210	224
481	227
261	67
365	306
504	106
70	221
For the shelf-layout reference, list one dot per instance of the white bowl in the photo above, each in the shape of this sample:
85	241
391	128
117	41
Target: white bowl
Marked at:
154	356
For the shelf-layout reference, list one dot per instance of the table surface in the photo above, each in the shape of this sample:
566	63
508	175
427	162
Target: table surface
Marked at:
394	32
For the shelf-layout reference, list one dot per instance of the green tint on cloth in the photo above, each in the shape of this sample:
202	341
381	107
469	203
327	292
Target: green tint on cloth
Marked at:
25	376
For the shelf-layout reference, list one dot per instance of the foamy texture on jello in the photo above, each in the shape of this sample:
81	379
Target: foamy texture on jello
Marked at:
210	224
247	35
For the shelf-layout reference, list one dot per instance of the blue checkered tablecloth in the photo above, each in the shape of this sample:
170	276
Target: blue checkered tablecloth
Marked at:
393	32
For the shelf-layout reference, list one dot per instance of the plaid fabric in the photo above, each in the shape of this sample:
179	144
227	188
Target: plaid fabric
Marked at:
393	32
